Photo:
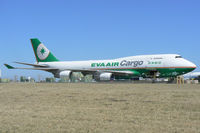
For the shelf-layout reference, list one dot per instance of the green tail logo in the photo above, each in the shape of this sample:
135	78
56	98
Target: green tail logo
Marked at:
42	54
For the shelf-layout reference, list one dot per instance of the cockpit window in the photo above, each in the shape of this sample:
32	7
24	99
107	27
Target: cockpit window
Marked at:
178	56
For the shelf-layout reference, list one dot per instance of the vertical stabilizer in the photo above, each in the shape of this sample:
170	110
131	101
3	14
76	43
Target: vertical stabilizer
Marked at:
42	54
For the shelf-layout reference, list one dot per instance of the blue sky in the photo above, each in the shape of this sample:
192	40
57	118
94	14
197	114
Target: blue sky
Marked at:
97	29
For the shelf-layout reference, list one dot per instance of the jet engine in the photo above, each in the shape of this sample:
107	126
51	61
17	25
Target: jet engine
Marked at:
103	76
65	74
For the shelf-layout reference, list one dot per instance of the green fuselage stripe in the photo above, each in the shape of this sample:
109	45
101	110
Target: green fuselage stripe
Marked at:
164	71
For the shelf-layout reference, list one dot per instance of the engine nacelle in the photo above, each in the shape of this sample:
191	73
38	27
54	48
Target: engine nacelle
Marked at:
106	76
65	74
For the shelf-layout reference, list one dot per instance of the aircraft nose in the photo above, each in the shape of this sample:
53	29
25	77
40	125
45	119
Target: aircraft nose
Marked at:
192	65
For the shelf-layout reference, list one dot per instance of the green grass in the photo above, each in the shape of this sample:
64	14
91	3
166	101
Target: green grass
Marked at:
101	108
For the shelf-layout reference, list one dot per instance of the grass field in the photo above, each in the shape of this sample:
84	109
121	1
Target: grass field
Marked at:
99	108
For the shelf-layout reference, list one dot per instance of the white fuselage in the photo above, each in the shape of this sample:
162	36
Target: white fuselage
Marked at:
143	61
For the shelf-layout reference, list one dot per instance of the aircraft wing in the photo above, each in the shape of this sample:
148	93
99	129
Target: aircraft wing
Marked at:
91	71
45	69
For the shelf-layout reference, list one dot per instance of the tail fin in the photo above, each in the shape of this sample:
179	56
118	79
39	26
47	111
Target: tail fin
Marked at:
42	54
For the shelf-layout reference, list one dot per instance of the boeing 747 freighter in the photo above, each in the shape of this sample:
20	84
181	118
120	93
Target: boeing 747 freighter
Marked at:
159	65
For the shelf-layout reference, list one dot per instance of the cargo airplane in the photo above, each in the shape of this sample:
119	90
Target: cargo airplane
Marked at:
192	75
151	66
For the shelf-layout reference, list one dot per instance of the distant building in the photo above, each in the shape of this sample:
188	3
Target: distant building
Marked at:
50	80
5	80
22	79
15	78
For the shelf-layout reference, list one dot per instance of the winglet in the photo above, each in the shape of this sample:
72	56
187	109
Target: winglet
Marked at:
9	67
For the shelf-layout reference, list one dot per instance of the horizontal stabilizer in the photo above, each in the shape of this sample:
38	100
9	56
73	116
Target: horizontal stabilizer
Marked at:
9	66
39	68
45	69
35	65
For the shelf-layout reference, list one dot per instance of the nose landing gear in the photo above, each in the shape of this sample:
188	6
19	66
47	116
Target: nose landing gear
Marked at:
155	75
